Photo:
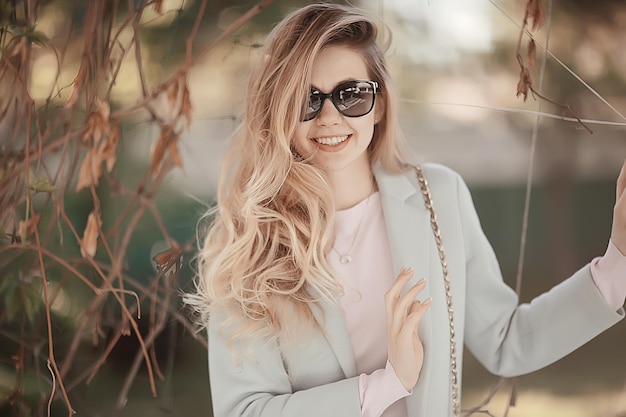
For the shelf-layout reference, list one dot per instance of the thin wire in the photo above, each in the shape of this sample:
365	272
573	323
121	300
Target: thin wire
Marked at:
514	110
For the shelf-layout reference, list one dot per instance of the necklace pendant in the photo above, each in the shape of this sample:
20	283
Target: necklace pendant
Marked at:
346	259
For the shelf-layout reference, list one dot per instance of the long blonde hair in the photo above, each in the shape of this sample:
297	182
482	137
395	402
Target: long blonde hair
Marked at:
264	257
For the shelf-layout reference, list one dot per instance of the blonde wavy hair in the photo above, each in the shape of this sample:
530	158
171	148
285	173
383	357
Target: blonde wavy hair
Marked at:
263	260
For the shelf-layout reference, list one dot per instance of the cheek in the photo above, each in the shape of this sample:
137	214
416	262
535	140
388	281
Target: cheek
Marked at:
301	140
366	130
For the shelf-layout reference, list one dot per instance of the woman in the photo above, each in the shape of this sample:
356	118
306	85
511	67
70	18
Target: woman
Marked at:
326	288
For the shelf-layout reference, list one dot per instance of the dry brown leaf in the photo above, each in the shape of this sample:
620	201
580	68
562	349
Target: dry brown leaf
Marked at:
96	166
90	170
174	154
186	107
534	10
524	83
110	147
89	243
532	53
85	175
102	141
172	93
88	132
103	109
77	86
166	145
96	134
166	259
100	118
27	228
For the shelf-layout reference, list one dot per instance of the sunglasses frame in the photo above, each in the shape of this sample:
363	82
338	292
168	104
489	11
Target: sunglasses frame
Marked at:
330	96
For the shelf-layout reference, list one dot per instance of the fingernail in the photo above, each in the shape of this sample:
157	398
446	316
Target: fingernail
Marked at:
409	269
421	281
428	300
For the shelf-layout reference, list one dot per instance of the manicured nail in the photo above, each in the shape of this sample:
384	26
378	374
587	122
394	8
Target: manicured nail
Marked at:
428	300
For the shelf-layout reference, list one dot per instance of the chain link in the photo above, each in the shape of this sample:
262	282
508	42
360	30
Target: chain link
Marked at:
428	200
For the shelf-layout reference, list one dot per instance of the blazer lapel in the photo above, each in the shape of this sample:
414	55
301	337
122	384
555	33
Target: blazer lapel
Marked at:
410	234
407	220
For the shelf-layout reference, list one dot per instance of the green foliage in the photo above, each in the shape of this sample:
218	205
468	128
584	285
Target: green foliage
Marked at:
13	30
20	294
41	185
35	36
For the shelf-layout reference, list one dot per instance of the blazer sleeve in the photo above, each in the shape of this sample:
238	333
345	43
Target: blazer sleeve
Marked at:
258	385
511	339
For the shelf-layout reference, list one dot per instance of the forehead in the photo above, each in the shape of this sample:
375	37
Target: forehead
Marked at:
335	64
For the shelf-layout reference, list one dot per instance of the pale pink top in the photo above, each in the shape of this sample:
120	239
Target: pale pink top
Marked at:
361	233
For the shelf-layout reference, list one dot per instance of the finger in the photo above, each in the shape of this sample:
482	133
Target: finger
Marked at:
400	310
405	301
621	182
403	277
394	292
418	309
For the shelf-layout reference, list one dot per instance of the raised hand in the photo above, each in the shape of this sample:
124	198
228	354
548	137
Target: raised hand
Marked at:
618	230
405	349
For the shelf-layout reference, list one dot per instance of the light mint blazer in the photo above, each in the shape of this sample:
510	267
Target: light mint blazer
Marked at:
318	377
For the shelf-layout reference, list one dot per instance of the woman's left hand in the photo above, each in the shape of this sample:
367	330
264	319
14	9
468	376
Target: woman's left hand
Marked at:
618	231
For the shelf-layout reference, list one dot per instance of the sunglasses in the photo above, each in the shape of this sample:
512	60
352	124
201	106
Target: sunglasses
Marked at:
352	99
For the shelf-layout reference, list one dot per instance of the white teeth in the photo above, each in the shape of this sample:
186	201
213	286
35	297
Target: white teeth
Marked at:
335	140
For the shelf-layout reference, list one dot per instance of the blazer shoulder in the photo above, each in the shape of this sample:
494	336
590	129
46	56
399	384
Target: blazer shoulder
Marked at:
435	172
444	181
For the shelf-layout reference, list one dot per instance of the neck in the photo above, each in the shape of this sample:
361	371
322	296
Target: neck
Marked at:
351	185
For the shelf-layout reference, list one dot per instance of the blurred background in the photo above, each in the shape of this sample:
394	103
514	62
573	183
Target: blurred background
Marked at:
123	110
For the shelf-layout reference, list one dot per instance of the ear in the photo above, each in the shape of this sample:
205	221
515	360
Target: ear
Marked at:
379	108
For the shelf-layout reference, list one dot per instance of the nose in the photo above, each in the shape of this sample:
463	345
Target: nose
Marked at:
328	115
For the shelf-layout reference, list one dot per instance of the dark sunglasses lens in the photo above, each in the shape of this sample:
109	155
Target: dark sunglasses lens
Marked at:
313	106
354	99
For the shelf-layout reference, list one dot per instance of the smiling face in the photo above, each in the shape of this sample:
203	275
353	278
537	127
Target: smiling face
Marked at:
332	141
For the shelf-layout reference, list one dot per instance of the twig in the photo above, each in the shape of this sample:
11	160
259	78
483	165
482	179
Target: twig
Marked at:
258	8
492	392
127	314
192	35
155	331
54	384
44	280
141	104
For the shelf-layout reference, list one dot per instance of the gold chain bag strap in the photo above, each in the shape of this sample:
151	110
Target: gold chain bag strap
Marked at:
428	200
